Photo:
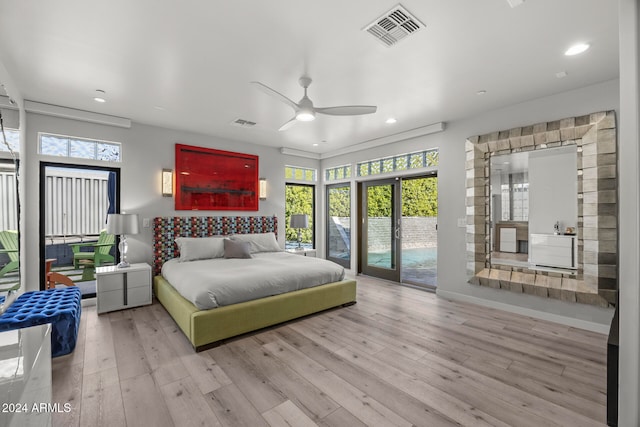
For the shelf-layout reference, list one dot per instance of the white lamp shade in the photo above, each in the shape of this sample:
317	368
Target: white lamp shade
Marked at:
122	224
299	221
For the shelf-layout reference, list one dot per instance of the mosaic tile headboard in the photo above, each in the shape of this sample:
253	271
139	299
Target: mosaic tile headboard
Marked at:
166	229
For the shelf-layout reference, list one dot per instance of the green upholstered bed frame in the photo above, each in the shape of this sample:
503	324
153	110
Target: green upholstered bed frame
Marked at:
205	328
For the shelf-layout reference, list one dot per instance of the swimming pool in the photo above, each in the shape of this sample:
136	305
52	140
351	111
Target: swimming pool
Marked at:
418	265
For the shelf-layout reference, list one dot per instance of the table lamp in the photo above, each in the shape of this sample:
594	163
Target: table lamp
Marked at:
122	224
299	221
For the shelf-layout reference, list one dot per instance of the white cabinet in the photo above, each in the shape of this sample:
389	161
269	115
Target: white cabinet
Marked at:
508	240
119	288
303	252
551	250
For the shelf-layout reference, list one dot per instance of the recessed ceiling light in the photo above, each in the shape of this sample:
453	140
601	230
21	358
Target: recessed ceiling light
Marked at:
391	120
100	96
481	92
576	49
315	144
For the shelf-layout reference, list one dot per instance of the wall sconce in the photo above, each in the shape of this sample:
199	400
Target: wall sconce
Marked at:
262	190
167	182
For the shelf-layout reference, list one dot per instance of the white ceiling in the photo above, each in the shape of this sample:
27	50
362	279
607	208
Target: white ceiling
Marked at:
195	59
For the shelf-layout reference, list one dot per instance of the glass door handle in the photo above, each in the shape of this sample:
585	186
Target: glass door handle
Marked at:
397	232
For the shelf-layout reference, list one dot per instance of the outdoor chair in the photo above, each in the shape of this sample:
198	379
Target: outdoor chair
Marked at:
98	256
9	241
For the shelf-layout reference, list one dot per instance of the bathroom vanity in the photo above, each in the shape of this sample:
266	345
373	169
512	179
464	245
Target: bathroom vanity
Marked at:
553	250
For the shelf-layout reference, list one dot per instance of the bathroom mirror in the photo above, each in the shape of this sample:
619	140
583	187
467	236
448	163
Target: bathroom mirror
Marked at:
594	241
534	197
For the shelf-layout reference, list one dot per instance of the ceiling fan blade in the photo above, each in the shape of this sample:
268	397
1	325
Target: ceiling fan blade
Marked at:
348	110
288	124
266	89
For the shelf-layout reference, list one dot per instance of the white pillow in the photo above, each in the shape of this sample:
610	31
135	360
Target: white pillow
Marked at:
194	248
259	242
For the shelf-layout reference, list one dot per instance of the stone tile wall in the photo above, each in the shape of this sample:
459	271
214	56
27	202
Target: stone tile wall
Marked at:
596	281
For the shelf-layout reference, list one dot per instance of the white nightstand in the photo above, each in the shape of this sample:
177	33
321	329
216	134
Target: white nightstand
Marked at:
119	288
303	252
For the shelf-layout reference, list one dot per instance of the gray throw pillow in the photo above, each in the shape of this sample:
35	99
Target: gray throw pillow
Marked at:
236	249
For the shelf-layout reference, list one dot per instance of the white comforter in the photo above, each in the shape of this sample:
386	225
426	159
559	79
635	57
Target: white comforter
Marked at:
217	282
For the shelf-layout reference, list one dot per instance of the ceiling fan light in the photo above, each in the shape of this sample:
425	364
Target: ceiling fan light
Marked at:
305	116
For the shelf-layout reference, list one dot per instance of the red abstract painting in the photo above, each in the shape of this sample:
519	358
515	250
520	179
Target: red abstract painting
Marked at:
212	180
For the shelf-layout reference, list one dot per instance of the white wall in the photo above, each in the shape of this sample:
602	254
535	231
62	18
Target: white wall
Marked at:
452	278
553	189
629	196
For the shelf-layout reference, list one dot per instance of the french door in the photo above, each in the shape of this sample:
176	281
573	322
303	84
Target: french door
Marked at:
381	233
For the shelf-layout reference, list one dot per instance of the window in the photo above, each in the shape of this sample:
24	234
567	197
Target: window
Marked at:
300	173
515	197
299	199
338	172
421	159
13	139
80	148
339	224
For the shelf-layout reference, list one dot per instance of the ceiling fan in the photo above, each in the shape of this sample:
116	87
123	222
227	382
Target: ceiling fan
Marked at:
306	112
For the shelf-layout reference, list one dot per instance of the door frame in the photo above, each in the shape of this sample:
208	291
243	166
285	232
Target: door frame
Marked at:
361	229
43	189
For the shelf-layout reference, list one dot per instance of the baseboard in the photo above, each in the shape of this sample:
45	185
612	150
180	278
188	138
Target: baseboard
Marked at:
88	302
569	321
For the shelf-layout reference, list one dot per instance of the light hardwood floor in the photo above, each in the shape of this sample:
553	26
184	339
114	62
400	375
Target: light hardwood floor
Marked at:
400	356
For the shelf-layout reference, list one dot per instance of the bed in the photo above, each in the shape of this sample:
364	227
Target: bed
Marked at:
207	327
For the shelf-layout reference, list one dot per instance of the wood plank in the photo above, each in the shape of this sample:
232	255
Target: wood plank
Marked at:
187	406
130	355
205	372
562	383
341	418
66	380
102	399
99	350
143	402
233	409
287	414
165	366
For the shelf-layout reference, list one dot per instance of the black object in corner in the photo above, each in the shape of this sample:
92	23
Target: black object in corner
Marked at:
612	371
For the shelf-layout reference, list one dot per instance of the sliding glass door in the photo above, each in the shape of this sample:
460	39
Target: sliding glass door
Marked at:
399	229
381	229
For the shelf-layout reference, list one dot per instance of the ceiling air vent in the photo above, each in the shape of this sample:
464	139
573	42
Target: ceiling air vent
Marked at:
243	123
394	26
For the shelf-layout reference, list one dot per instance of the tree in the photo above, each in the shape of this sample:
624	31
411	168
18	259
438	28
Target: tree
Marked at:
298	200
